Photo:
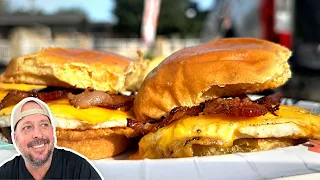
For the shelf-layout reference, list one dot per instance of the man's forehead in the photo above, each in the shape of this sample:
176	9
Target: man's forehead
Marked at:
34	117
31	120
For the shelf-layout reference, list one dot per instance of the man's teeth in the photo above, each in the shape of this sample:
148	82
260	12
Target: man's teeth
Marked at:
39	146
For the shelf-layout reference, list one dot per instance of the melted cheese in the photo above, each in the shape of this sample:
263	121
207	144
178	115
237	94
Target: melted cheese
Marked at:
291	122
20	87
3	94
62	109
93	115
5	88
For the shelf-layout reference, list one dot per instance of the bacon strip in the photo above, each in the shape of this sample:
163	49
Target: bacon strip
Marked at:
86	99
175	114
92	98
141	127
14	96
232	106
181	112
268	101
236	106
244	106
49	96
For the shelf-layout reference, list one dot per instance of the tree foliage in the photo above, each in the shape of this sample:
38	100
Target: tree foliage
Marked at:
172	19
129	17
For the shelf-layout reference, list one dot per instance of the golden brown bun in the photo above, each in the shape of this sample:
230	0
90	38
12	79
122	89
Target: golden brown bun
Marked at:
94	144
69	68
139	70
225	67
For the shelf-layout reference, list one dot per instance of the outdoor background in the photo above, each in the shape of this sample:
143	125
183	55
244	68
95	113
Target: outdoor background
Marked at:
26	26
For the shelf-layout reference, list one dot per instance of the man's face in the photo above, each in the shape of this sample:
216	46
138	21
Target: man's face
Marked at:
34	136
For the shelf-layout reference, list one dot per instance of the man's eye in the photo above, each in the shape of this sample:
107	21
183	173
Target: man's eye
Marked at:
26	128
45	124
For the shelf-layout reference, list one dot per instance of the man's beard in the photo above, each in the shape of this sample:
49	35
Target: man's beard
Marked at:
36	163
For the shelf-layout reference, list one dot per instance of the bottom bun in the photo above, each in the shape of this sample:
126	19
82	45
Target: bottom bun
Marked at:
246	145
239	146
93	147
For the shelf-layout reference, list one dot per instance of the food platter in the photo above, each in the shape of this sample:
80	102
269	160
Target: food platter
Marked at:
285	163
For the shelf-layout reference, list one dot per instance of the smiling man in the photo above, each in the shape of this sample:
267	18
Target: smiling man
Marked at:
33	133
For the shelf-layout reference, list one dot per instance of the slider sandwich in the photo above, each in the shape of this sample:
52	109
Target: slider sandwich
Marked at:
195	102
85	92
138	71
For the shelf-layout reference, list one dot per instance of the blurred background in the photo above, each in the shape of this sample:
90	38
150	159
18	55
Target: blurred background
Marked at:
161	27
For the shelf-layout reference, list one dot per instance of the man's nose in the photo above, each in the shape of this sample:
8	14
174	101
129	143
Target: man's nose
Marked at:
37	133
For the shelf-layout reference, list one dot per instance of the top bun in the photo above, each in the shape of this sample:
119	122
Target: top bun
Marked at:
139	70
225	67
62	67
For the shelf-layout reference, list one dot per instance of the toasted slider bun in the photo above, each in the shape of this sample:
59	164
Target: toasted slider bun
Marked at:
139	70
77	68
225	67
97	148
223	134
95	143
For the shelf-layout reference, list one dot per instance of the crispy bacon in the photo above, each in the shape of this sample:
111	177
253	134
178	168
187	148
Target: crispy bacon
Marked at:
235	106
141	127
274	98
238	106
86	99
243	107
48	96
268	101
92	98
181	112
14	96
175	114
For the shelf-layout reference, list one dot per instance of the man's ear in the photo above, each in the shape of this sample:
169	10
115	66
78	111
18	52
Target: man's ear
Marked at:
53	129
15	136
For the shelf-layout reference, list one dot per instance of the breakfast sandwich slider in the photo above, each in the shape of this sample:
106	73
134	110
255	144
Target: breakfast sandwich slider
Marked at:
85	92
195	102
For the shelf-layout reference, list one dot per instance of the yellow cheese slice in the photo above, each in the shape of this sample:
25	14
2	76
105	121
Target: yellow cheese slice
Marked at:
20	87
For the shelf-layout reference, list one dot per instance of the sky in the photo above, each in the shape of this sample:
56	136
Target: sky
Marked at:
97	10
